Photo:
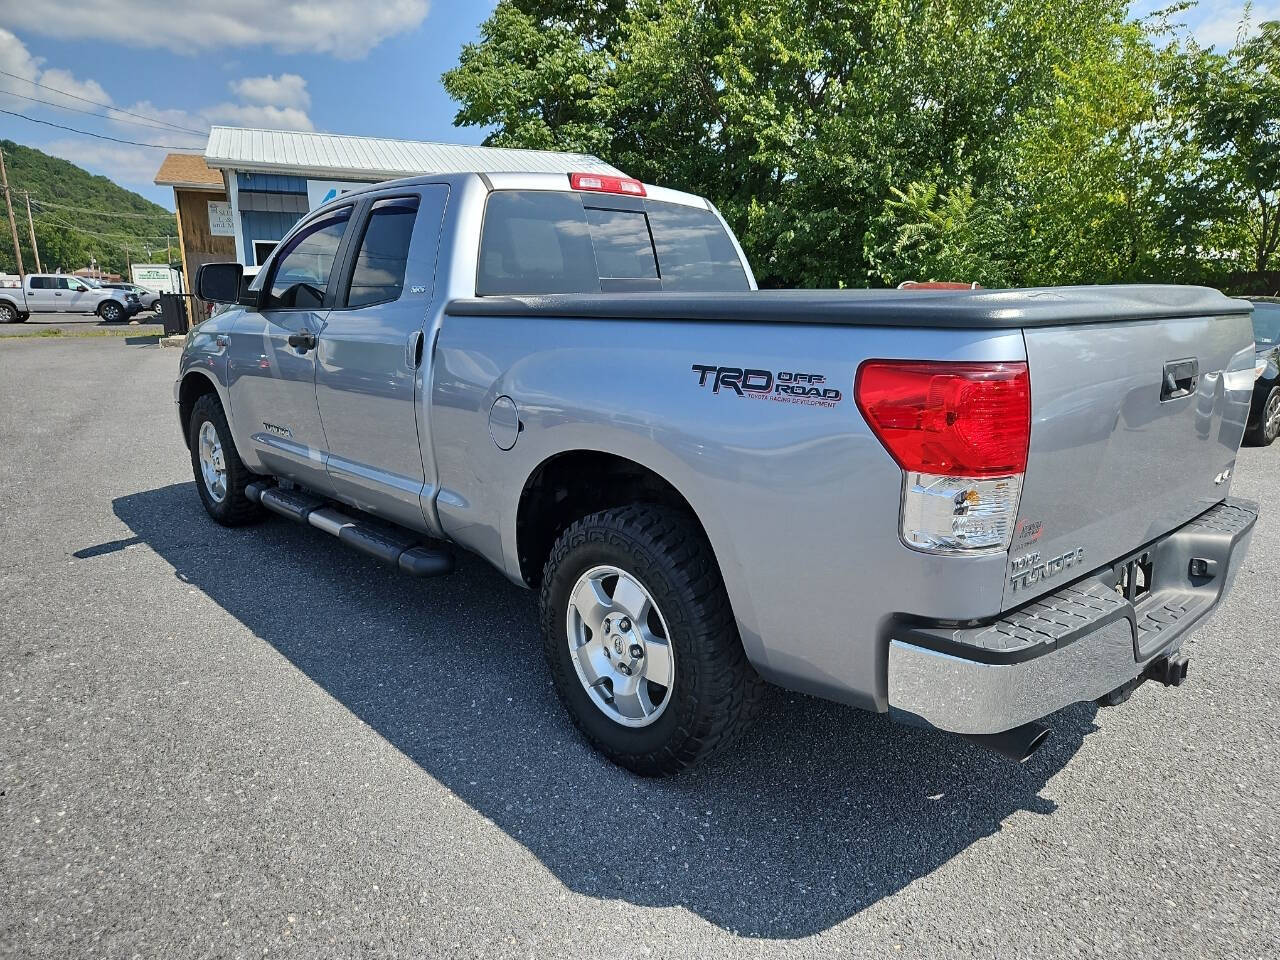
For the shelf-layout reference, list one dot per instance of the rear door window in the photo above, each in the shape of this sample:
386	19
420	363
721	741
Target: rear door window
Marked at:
378	273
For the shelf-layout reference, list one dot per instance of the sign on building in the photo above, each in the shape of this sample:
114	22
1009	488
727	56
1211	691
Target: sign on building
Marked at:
320	192
221	223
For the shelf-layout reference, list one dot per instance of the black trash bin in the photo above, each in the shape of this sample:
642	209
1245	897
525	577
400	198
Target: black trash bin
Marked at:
173	311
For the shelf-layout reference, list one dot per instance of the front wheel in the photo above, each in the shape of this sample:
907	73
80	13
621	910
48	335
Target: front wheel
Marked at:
220	474
1269	422
110	312
641	641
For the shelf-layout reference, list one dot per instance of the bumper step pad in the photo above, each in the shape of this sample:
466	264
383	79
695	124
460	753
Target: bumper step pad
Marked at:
398	548
1084	642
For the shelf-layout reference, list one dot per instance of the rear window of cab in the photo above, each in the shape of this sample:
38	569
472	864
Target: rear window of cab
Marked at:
541	242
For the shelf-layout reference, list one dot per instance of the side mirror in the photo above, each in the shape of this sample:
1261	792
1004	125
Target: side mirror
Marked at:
219	282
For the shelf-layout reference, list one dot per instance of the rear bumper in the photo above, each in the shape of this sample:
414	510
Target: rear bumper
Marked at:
1077	644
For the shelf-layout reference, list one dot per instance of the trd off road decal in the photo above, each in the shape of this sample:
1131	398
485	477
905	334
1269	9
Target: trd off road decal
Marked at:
785	386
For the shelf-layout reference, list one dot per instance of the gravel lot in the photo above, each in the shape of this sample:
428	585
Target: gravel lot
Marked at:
243	743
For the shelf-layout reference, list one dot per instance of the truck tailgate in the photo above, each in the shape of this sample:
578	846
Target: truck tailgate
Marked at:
1134	431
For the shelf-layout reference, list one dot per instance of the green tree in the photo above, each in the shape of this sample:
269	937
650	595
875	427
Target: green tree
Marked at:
1235	100
78	216
867	141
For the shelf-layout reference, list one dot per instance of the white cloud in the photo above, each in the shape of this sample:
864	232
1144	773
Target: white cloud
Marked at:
132	166
26	73
286	90
258	115
267	101
347	29
1219	24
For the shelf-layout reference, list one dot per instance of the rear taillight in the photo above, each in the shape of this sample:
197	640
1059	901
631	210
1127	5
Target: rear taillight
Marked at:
599	183
960	432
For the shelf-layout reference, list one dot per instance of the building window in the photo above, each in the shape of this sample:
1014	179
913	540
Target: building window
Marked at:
262	250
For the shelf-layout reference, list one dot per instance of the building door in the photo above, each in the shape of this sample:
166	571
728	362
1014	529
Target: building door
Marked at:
271	358
370	358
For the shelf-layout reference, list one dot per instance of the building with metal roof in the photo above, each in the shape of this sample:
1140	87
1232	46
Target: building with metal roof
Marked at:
273	177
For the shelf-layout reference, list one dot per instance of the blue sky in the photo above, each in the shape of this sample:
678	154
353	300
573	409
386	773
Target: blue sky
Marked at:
369	67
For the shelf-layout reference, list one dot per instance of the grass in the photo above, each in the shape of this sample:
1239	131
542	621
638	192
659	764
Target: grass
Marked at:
55	332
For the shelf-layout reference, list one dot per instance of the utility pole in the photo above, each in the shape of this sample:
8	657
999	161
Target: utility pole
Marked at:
13	224
31	227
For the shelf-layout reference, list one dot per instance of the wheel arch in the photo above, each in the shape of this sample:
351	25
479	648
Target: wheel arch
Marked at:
570	484
195	384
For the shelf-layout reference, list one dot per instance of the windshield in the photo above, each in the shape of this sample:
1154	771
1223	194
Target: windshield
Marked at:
1266	324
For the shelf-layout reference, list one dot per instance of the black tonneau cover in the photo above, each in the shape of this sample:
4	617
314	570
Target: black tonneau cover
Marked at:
979	309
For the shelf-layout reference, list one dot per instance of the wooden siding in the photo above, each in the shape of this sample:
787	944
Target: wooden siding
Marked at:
195	242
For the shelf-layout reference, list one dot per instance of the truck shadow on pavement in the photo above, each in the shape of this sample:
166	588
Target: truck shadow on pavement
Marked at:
820	812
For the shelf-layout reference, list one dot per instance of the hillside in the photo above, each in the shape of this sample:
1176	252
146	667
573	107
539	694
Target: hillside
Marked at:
78	216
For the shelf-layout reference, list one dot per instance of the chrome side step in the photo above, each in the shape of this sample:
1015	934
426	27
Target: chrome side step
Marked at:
400	549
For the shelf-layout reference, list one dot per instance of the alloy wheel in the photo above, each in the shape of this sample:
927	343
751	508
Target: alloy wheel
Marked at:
620	646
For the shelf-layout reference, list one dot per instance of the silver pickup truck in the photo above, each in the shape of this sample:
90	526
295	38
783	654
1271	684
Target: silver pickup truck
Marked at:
44	293
966	508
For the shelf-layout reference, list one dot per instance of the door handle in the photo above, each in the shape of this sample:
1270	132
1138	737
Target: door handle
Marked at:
303	341
413	350
1179	378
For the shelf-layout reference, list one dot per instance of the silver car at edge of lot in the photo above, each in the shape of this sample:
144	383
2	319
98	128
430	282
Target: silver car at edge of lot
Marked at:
968	509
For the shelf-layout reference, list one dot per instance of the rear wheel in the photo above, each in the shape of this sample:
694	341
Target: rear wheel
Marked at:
1269	422
9	313
111	312
641	640
221	475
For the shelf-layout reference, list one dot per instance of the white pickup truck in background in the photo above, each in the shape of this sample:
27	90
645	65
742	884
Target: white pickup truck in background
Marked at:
61	293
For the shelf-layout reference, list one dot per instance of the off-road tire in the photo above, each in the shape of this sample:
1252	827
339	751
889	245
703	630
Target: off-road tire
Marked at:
235	509
111	312
716	692
1260	436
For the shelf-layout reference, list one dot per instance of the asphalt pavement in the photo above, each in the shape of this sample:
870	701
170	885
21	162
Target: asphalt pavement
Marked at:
247	743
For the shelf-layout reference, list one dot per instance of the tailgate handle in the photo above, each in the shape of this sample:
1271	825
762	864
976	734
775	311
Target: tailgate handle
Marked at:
1179	379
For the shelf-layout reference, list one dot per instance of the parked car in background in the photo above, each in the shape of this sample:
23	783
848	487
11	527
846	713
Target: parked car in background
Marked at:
1264	414
149	299
841	491
60	293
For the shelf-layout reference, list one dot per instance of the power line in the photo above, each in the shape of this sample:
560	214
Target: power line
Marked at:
102	213
87	113
98	103
120	238
100	136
